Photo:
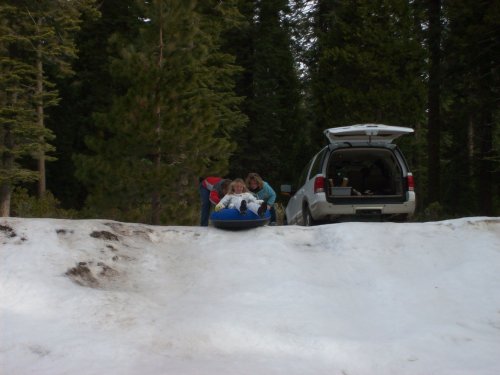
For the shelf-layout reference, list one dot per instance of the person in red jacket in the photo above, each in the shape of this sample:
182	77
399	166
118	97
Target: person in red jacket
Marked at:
212	189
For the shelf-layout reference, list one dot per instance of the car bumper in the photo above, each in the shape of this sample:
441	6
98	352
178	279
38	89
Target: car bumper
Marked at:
322	210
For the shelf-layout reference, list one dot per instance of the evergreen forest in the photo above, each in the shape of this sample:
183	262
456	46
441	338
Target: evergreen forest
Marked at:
115	108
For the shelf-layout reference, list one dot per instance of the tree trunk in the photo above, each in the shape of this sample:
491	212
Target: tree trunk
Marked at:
5	193
470	147
156	200
433	133
8	164
40	113
485	135
485	166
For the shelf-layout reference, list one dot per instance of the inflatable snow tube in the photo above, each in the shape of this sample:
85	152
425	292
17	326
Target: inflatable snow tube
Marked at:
230	218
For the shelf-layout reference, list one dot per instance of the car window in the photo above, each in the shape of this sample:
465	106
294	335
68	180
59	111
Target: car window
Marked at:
303	175
318	163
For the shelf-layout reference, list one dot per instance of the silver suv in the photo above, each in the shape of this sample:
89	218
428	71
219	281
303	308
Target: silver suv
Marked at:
360	175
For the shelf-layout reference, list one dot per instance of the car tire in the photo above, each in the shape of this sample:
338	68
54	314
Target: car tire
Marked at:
307	217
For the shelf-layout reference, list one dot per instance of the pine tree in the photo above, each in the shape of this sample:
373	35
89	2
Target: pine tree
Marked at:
173	123
49	27
367	65
20	136
434	118
89	90
274	136
470	114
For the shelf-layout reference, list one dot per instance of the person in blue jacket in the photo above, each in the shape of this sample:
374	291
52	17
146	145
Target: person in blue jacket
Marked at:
264	191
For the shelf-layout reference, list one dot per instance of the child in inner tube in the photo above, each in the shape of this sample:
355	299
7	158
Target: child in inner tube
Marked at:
240	198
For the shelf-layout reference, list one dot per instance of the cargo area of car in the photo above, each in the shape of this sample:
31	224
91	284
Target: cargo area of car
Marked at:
368	174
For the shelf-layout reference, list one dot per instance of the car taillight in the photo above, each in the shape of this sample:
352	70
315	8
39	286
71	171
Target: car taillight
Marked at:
319	185
410	181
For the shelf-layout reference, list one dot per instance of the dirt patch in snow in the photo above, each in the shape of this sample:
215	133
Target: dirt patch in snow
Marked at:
8	231
93	276
136	231
82	275
105	235
64	231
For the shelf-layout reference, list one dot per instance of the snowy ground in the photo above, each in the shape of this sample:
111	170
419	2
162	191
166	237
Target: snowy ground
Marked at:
101	297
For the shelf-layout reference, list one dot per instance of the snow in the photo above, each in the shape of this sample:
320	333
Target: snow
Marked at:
102	297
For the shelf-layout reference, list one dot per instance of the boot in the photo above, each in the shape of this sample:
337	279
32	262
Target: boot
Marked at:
243	207
262	209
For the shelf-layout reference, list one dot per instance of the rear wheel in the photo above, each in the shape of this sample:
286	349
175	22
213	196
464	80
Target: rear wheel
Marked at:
307	217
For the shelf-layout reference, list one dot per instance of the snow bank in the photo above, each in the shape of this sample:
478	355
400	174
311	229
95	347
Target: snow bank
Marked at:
102	297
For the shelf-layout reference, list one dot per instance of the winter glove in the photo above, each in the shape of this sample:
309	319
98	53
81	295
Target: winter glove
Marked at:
219	207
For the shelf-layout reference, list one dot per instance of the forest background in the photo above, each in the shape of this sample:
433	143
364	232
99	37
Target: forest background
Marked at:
115	108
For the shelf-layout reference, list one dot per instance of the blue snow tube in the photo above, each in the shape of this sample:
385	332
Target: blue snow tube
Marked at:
230	218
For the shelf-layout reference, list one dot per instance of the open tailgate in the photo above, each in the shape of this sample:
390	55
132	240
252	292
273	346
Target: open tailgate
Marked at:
366	132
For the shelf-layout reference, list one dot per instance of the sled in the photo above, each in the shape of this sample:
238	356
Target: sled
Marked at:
230	218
